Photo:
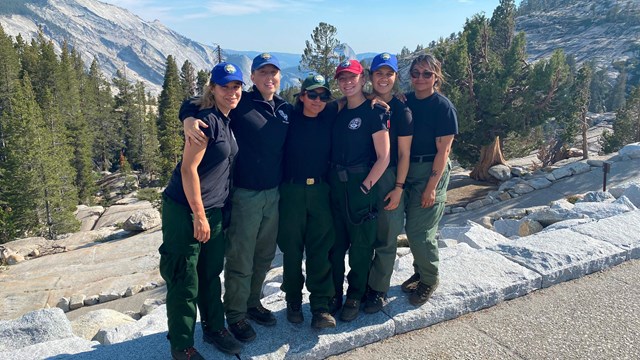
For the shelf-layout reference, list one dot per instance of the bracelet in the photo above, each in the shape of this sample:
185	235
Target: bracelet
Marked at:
400	185
364	189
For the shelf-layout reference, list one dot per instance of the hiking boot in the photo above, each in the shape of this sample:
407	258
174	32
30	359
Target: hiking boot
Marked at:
223	340
322	320
261	315
242	330
350	310
411	283
374	302
189	353
422	293
294	313
335	303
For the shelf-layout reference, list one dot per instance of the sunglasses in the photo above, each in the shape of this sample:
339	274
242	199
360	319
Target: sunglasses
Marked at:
425	74
324	97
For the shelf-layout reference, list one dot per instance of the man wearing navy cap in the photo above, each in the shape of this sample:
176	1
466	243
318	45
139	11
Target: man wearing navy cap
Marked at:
259	124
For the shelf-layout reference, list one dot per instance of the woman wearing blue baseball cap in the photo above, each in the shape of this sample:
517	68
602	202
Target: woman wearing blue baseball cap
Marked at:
391	197
359	157
193	246
260	125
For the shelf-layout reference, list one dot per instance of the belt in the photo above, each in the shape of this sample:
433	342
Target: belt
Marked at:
355	169
422	158
306	181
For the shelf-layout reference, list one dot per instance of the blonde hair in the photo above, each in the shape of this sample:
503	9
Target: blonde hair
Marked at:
434	65
207	100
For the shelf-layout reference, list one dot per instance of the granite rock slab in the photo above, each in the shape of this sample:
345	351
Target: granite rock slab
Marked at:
616	230
472	234
561	255
54	349
470	280
34	327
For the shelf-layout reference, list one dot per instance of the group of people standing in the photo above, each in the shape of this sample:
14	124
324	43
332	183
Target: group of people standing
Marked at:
318	178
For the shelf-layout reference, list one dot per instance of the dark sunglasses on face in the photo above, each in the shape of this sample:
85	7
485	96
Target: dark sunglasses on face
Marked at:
324	97
425	74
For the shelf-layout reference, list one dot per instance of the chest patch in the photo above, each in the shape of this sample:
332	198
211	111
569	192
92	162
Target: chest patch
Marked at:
285	117
354	124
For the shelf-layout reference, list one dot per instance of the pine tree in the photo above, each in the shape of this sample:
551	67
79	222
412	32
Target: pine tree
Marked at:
320	55
67	97
169	128
618	94
102	120
600	89
188	79
202	80
125	108
626	128
150	159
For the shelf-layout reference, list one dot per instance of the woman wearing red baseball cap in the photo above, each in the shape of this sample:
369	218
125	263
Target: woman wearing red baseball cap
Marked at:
359	157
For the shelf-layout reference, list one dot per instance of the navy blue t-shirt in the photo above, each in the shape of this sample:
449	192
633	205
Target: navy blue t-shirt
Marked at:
400	124
308	146
214	168
433	117
352	142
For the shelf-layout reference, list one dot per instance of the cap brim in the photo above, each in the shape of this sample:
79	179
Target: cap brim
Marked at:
316	86
353	71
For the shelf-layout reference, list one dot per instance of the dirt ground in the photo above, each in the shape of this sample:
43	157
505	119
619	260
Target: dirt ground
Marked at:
463	190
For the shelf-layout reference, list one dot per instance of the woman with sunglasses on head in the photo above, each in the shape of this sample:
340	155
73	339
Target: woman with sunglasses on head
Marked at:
435	125
391	199
306	222
359	156
192	250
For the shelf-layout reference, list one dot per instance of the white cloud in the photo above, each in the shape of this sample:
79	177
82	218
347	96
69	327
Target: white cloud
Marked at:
244	7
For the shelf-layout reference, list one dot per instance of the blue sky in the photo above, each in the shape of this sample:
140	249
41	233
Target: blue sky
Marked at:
284	25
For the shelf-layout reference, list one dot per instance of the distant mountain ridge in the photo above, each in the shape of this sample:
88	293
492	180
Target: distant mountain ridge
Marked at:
121	40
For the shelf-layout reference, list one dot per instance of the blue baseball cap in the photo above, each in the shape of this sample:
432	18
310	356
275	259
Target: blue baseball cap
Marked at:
224	73
384	59
264	59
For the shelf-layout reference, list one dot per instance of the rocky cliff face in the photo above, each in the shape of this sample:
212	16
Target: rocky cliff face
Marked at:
118	39
603	31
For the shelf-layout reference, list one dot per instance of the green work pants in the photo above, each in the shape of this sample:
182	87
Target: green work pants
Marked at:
422	224
251	246
306	226
390	224
192	272
355	232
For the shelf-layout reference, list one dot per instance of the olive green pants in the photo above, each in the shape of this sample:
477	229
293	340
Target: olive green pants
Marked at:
355	232
251	246
422	224
306	227
390	224
192	272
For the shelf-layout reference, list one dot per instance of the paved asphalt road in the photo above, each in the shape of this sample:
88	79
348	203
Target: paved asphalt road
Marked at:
594	317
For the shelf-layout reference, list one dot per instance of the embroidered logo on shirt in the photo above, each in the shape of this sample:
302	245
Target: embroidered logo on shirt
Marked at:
285	117
354	124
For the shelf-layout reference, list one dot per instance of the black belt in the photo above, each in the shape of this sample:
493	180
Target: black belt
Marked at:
355	169
306	181
422	158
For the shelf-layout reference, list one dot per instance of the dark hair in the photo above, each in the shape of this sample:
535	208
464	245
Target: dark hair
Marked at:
433	64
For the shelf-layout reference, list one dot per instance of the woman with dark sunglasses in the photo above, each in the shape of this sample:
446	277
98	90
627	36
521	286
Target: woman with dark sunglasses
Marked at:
306	222
435	124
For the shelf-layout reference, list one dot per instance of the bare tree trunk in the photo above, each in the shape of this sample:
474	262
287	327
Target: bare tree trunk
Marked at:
585	127
490	155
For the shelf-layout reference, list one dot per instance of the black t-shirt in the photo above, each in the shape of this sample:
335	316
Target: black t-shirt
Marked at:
400	124
308	145
352	142
214	168
260	130
433	117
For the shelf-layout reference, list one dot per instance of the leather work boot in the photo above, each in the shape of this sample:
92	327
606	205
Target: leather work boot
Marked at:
322	320
261	315
222	340
350	310
422	293
411	283
242	330
294	313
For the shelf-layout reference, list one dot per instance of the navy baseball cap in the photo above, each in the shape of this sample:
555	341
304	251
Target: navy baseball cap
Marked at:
264	59
224	73
384	59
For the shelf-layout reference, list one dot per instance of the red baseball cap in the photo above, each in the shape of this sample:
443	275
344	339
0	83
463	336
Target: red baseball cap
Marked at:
352	66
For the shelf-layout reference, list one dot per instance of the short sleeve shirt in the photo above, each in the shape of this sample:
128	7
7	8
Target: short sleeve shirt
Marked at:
401	124
433	117
352	135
